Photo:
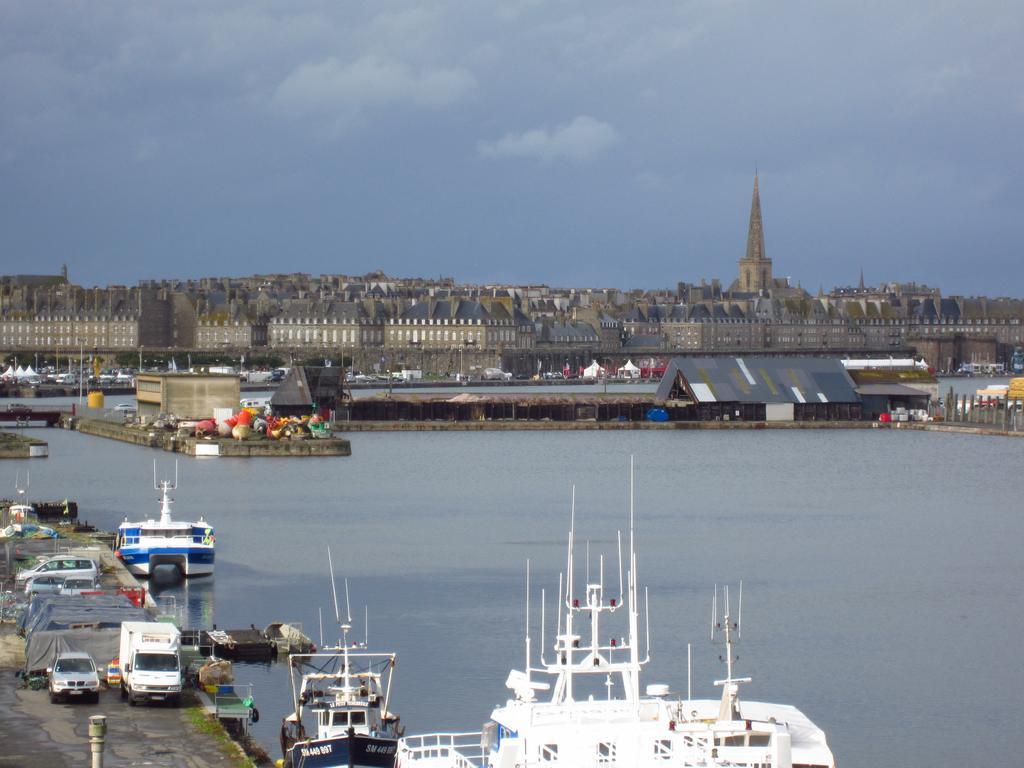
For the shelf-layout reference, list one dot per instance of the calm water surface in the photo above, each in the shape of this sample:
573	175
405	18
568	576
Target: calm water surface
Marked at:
881	569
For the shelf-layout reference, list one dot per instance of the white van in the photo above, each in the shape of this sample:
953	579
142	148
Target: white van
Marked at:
150	662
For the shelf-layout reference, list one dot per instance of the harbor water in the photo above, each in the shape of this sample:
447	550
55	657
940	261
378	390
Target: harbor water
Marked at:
881	568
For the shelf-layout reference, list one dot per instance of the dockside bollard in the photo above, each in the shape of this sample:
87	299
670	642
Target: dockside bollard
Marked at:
97	738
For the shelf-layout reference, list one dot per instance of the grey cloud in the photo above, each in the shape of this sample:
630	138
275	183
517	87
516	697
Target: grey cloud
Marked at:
330	85
157	116
578	140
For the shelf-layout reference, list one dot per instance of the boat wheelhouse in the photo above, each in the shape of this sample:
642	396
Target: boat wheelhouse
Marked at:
143	546
589	711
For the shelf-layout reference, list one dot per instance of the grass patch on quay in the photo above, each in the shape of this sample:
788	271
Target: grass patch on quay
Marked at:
209	725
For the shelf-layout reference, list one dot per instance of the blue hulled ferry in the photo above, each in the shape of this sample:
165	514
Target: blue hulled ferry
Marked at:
189	546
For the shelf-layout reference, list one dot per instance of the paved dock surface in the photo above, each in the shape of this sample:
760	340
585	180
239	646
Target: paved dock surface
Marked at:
37	734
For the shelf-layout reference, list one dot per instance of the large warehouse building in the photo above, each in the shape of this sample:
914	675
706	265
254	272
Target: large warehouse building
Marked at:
761	388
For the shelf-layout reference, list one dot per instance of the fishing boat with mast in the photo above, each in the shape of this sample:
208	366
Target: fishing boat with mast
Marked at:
143	546
593	712
344	691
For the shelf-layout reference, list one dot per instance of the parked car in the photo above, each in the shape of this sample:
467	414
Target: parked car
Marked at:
45	584
60	566
125	408
76	585
73	676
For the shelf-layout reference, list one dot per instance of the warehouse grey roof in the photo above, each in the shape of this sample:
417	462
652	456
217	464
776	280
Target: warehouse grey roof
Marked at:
758	380
891	390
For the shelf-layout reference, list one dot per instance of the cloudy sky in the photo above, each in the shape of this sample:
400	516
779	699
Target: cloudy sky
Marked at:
587	143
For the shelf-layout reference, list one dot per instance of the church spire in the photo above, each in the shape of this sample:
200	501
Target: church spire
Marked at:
755	268
755	233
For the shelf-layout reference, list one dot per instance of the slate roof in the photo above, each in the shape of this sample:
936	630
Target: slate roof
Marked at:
568	332
760	380
700	312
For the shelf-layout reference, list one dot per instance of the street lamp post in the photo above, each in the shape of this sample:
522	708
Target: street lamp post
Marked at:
81	369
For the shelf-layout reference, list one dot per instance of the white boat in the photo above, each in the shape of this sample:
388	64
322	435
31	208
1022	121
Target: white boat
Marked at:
589	711
190	546
344	692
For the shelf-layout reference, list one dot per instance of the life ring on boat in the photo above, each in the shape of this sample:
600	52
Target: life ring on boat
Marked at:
255	715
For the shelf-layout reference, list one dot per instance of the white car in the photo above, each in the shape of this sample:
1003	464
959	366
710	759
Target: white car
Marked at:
125	408
76	585
60	566
73	676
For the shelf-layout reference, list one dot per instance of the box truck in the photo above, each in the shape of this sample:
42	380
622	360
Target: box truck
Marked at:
150	662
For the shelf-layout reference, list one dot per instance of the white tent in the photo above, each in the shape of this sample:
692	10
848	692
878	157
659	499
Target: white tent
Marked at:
20	373
9	373
30	373
593	371
629	371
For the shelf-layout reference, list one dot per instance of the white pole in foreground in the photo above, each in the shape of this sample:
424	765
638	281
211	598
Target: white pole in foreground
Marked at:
97	738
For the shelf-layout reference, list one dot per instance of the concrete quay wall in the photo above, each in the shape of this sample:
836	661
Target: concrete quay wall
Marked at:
20	447
192	446
533	426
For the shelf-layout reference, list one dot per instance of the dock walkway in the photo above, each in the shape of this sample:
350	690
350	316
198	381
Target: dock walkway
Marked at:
37	734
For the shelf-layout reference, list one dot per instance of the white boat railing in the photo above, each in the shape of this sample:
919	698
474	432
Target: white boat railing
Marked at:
457	750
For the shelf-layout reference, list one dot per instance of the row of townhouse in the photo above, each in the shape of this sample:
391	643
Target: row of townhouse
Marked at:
281	313
117	330
820	324
56	316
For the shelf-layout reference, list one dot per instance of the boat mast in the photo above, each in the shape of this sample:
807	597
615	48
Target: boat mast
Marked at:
527	667
19	491
164	486
568	638
632	679
344	627
729	708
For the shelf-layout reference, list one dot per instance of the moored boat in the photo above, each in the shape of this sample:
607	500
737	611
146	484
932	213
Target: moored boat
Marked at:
143	546
593	711
345	691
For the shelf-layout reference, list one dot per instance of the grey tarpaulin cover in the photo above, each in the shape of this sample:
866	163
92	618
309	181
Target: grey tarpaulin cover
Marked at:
41	603
102	644
56	623
101	611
